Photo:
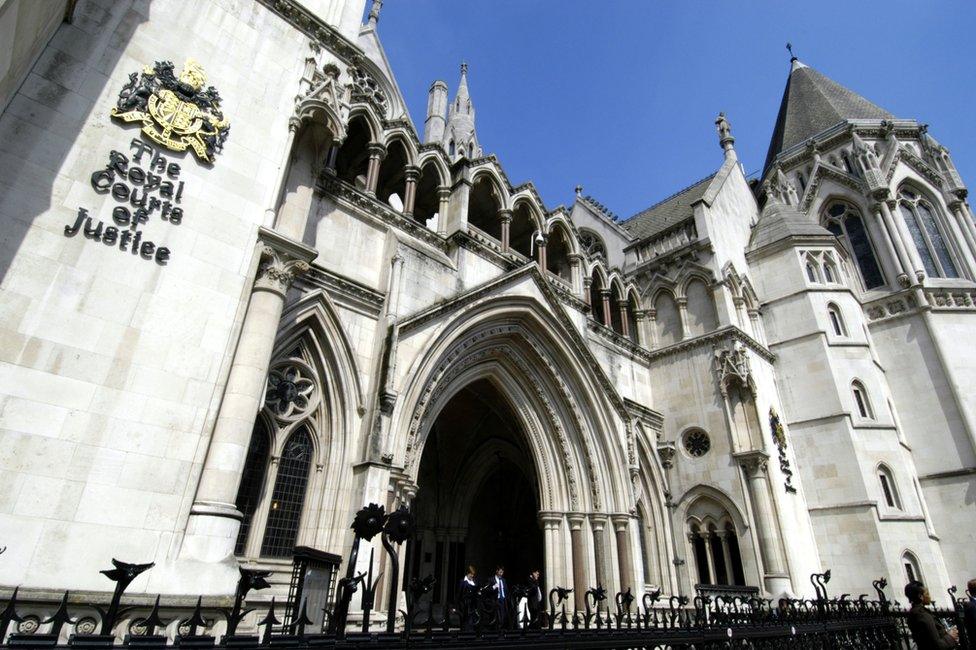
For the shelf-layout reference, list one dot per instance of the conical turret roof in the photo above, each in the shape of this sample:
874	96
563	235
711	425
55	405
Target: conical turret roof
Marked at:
779	221
813	103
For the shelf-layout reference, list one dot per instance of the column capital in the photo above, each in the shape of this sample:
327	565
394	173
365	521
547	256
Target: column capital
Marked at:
376	150
550	518
683	301
282	260
605	293
575	520
505	215
665	452
411	173
754	462
598	521
620	521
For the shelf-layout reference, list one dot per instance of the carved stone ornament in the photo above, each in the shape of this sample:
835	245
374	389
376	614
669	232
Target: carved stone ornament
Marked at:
278	270
292	390
732	367
365	88
326	92
178	113
779	438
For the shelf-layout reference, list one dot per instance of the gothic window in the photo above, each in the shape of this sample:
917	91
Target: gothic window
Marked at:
802	181
861	401
288	497
714	544
667	319
919	216
702	316
596	296
829	269
696	442
910	562
812	274
888	491
846	224
592	245
450	149
836	320
252	482
557	253
470	150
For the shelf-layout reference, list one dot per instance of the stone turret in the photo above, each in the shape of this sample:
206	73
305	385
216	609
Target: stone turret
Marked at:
436	112
452	124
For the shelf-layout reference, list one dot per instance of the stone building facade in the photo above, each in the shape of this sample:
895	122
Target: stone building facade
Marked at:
747	382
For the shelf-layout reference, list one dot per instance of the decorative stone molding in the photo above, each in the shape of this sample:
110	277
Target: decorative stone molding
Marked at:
365	297
665	451
312	26
732	366
779	439
292	391
282	260
755	463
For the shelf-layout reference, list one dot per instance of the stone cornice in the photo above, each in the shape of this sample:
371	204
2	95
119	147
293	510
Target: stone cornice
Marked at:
365	297
619	341
353	198
315	28
649	416
730	332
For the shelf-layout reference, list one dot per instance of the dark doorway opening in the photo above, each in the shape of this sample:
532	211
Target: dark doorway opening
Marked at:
477	502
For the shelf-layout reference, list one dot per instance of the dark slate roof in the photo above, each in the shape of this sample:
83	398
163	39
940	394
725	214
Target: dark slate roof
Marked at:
668	212
813	103
778	222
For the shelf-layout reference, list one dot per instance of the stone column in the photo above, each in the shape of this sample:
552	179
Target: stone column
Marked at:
908	244
683	314
411	176
376	154
641	322
576	264
706	537
214	519
587	283
331	156
896	249
776	577
443	203
651	328
962	242
605	297
598	524
542	255
624	325
621	525
270	214
966	224
723	536
506	218
554	568
579	557
693	573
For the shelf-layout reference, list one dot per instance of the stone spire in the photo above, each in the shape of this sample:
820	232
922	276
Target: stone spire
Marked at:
460	138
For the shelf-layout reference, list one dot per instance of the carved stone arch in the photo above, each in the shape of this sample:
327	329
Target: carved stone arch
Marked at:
435	159
490	170
690	271
685	506
598	269
654	285
560	221
584	417
526	198
312	110
368	115
407	139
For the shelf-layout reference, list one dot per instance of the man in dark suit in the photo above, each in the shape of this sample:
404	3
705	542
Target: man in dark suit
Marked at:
928	633
535	599
500	587
969	613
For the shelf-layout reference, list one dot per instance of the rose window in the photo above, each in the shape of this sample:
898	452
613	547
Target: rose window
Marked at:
697	443
291	390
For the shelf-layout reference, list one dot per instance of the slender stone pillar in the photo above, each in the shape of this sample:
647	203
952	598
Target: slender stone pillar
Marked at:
376	154
269	214
579	557
587	283
652	342
723	536
214	518
898	257
444	202
542	255
621	525
605	297
683	314
554	567
641	322
776	577
330	158
576	264
694	574
598	524
624	325
966	223
908	244
506	218
411	176
706	537
963	239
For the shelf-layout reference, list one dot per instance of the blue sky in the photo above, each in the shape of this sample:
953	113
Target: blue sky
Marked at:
621	96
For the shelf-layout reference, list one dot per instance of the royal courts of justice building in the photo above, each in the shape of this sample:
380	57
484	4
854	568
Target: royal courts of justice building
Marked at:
243	295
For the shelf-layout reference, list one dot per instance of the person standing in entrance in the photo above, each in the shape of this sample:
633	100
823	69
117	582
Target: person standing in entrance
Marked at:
468	600
928	633
501	596
535	599
969	613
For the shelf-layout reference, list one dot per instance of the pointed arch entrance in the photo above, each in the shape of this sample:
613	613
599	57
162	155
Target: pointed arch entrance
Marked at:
478	493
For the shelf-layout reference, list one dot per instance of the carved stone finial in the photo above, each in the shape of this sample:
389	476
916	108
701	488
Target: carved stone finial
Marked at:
725	138
464	68
789	47
579	190
374	12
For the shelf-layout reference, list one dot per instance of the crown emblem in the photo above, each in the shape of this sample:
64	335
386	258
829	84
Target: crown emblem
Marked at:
177	112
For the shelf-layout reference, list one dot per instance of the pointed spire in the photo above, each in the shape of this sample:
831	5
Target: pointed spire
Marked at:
811	104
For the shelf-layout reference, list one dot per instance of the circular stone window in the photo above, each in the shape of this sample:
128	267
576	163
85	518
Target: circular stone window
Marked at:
696	443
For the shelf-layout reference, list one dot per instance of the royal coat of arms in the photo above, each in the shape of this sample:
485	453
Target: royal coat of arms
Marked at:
176	112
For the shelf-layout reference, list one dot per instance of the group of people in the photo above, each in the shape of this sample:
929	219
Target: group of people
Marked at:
928	631
494	603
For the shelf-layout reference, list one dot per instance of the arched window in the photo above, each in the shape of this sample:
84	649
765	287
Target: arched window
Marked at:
836	320
470	150
252	482
830	269
667	319
812	274
702	316
861	400
844	221
888	489
912	570
451	149
288	497
596	297
920	218
483	205
557	253
714	544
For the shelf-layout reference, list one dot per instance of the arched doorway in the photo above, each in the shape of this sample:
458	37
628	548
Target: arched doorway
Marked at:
478	498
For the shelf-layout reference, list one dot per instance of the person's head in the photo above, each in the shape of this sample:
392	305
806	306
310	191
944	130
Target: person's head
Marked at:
917	594
471	572
534	574
971	587
499	570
